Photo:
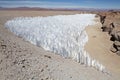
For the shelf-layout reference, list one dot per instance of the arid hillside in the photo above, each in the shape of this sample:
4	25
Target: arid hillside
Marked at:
111	23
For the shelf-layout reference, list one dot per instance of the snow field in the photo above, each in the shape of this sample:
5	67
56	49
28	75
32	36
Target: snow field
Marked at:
62	34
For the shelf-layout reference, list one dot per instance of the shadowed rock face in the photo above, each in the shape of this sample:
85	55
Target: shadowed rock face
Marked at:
107	27
115	34
107	20
102	18
111	23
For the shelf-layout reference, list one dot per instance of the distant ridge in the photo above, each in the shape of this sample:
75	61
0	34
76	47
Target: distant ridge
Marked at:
57	9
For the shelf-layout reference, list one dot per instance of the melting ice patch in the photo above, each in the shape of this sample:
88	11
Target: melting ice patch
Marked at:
62	34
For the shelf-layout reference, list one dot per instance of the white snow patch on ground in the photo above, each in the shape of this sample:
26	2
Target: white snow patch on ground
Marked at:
62	34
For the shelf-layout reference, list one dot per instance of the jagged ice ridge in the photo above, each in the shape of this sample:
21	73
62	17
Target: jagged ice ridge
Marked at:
61	34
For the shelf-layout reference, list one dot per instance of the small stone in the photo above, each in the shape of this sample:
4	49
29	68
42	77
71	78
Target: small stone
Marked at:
118	53
23	66
23	61
1	61
47	78
47	56
113	50
70	76
42	70
46	66
3	46
117	43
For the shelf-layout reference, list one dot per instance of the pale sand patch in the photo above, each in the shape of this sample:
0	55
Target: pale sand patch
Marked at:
98	47
24	61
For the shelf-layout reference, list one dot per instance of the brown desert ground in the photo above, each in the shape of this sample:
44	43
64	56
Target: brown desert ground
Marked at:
100	49
20	60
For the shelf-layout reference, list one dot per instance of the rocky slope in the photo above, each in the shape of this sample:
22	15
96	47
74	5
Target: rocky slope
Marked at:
111	23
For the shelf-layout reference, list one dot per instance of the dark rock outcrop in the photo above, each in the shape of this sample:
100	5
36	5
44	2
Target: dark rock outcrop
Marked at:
102	18
111	23
116	47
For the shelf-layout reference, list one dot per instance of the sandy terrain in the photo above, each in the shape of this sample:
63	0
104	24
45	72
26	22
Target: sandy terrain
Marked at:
100	48
20	60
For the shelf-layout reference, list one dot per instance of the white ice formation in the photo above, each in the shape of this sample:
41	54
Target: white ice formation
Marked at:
61	34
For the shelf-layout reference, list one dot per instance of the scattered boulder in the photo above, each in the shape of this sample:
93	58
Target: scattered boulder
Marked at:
115	33
116	47
113	49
